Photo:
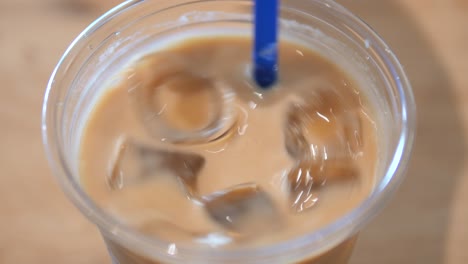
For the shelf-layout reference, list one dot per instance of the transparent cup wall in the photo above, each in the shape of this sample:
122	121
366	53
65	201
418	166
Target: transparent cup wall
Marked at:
95	58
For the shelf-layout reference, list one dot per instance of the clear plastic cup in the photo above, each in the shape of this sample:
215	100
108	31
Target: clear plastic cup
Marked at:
99	53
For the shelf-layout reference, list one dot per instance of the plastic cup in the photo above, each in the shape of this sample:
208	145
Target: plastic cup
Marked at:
134	27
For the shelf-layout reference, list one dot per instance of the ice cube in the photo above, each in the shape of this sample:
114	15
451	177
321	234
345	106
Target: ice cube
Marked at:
216	239
165	230
176	103
136	162
322	125
245	209
352	129
296	143
307	177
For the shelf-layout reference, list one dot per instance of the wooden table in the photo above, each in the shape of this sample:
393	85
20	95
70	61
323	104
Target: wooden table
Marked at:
426	223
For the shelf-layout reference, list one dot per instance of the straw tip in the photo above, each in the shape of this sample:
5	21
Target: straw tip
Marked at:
265	78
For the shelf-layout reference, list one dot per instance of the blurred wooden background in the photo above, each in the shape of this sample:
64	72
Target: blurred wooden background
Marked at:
426	223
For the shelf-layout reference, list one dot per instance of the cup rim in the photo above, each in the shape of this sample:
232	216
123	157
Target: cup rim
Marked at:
335	232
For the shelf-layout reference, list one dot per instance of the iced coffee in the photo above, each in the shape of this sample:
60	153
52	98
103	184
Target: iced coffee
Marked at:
186	149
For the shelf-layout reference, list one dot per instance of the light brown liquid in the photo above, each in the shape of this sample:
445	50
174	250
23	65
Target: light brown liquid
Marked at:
250	147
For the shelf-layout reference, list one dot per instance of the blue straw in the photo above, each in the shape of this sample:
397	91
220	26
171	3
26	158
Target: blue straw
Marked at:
265	52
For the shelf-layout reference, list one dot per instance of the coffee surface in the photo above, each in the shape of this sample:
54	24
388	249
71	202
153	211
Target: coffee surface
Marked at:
188	150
